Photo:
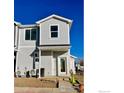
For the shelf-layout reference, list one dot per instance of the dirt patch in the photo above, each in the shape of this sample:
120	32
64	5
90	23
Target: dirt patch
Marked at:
34	82
80	77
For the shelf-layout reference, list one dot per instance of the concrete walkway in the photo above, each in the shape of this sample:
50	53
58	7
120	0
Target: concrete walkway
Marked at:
64	87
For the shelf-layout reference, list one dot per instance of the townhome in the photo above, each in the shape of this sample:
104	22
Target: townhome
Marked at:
43	48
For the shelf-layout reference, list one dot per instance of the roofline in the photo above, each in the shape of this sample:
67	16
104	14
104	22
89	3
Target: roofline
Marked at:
73	56
17	23
55	16
29	25
55	45
44	19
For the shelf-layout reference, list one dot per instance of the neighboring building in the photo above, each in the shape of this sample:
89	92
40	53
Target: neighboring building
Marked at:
80	65
72	63
43	47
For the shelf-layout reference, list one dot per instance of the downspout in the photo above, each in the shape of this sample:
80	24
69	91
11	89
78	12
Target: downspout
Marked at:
17	36
38	43
17	29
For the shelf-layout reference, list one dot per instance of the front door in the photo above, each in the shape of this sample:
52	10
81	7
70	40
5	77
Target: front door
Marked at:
63	66
42	72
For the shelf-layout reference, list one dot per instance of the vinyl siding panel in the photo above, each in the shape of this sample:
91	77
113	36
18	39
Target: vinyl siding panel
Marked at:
63	36
25	59
46	62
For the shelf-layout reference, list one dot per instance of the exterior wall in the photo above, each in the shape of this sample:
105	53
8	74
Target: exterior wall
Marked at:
72	64
23	42
50	60
63	36
25	59
46	62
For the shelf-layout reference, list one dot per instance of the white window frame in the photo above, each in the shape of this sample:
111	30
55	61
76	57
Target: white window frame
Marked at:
50	31
30	34
65	66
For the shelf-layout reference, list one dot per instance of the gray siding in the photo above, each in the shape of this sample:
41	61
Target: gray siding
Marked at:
50	60
46	62
45	38
25	59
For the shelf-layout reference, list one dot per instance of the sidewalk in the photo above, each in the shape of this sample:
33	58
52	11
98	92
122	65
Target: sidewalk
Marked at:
64	87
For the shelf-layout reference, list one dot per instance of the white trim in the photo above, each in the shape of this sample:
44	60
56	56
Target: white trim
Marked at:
68	33
52	62
15	33
73	56
18	37
68	62
17	62
39	63
26	46
56	16
58	66
15	49
66	66
53	31
17	23
29	25
40	34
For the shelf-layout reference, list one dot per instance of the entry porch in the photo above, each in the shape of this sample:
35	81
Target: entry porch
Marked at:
54	61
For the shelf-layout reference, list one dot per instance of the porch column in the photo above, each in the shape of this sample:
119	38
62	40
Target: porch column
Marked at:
17	68
39	62
68	62
58	66
52	63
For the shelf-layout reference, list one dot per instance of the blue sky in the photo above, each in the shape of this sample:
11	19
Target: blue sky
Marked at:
30	11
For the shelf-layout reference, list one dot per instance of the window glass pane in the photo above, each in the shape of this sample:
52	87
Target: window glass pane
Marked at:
54	34
33	34
62	65
36	54
27	35
54	28
36	59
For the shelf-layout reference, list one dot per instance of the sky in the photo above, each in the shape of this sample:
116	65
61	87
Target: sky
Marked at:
29	12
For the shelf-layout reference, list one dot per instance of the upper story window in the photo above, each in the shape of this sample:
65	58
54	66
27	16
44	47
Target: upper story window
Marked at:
30	34
54	31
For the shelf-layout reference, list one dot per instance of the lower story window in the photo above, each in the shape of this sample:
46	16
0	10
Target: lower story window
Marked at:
36	59
36	56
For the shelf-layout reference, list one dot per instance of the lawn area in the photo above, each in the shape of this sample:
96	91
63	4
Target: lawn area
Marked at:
34	82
